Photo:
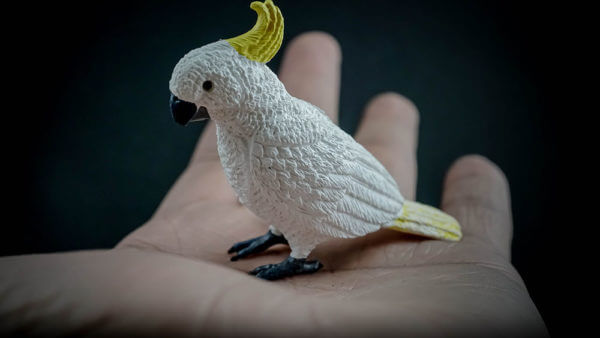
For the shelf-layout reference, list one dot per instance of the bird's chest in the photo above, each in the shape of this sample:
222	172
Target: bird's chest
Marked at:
234	153
260	175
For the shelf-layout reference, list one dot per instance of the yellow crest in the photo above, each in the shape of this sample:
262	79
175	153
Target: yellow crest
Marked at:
262	42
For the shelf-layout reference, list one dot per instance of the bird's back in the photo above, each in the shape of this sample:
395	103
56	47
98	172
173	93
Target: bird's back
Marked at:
313	174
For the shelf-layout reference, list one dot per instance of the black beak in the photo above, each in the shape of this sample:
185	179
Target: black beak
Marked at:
185	112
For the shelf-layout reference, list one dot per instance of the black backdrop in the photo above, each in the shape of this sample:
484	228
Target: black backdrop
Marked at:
96	149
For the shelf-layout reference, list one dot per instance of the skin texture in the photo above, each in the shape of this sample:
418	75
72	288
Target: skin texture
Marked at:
172	275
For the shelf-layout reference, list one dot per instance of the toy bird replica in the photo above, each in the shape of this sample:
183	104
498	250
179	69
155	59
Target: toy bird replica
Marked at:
285	159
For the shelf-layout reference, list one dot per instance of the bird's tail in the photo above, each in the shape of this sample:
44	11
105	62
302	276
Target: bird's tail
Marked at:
421	219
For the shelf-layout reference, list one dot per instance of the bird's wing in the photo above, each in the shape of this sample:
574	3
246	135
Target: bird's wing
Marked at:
331	180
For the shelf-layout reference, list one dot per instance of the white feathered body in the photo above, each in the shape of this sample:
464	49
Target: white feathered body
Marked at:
308	178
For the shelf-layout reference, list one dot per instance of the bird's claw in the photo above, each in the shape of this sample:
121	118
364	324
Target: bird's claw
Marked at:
289	267
256	245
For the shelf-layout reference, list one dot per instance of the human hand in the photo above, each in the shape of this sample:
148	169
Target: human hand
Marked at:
462	285
173	273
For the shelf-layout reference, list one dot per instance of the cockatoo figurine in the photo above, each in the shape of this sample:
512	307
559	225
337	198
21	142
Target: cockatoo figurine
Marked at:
286	160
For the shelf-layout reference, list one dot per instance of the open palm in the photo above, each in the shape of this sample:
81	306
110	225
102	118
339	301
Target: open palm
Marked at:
386	281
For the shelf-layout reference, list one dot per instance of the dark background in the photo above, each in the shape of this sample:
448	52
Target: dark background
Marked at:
96	150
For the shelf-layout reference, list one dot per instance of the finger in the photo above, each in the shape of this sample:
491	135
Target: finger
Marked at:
476	192
310	70
389	131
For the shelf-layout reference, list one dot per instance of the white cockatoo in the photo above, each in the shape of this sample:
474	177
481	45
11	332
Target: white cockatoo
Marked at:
285	159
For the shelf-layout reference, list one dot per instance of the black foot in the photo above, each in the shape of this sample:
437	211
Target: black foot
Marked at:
256	245
289	267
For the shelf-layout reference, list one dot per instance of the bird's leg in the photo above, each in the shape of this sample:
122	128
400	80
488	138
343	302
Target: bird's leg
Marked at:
289	267
256	245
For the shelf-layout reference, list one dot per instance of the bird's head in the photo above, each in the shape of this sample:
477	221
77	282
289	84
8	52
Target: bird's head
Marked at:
221	79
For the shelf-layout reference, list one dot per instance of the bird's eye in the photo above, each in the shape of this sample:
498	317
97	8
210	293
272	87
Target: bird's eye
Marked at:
207	85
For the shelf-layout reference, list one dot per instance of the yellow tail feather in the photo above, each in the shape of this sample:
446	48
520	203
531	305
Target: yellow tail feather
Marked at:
421	219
